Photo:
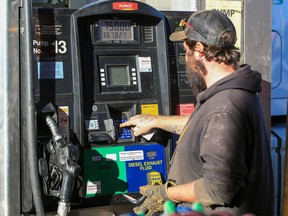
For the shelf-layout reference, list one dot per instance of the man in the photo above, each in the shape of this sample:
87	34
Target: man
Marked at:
222	158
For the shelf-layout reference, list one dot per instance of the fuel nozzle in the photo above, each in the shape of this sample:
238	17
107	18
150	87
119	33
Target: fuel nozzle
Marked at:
57	136
67	156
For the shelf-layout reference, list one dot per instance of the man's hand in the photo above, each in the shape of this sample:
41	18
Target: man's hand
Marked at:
142	123
156	196
146	122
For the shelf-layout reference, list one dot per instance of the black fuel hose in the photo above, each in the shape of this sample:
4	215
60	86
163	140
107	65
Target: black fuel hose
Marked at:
29	105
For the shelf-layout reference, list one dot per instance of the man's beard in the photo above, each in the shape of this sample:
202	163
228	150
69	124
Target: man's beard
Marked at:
195	70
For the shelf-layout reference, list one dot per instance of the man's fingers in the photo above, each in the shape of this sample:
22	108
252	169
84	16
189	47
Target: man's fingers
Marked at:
130	123
125	124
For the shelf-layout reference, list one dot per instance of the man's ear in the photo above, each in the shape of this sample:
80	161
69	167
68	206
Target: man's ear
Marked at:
199	47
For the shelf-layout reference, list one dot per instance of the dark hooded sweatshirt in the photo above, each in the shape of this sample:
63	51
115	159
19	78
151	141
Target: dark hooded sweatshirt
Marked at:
225	150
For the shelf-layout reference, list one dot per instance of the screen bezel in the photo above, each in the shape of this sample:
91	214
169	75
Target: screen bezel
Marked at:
107	60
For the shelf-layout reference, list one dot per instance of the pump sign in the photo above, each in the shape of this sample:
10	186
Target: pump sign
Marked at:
125	6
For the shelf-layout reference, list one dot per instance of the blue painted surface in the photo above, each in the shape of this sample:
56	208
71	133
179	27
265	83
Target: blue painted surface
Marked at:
154	160
279	57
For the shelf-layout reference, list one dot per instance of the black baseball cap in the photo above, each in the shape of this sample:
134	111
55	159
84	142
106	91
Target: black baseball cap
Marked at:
206	26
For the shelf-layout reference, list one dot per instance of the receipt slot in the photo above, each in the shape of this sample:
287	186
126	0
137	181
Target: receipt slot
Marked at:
120	64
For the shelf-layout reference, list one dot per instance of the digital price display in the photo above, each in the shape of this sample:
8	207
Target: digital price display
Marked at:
115	30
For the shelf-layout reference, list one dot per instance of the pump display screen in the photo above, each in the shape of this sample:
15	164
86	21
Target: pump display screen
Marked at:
118	75
112	30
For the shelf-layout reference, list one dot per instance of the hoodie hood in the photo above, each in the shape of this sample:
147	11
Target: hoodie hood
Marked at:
244	78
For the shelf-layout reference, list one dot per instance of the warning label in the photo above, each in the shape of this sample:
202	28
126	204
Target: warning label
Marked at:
93	187
63	113
185	109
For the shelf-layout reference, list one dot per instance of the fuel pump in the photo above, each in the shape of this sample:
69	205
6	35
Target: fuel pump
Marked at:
120	56
93	69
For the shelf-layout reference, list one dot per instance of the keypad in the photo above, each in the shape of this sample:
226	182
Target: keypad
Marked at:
121	133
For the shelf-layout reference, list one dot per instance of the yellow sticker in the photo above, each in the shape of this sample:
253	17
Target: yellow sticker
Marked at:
63	109
154	178
150	109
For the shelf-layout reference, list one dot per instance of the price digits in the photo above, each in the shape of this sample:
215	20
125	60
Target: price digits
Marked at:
117	30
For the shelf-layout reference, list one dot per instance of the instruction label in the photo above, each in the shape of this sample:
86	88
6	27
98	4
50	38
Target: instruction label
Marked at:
41	30
145	64
131	155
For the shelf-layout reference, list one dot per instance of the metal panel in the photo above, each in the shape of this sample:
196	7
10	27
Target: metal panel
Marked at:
9	109
257	35
257	47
